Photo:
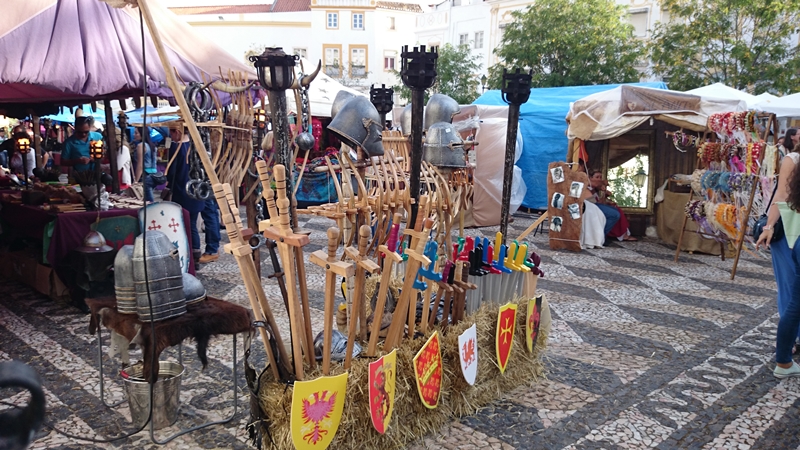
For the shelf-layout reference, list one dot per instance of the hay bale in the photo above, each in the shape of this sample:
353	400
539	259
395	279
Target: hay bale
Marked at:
411	419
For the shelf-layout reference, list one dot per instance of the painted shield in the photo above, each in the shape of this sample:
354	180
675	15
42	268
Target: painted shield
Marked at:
468	353
428	371
532	324
316	411
118	231
167	217
381	390
505	333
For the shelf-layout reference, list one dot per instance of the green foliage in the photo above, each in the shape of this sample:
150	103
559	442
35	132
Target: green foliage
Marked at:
569	43
621	183
456	75
746	44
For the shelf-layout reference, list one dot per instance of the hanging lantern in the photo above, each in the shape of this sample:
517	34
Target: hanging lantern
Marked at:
260	116
275	69
23	145
96	149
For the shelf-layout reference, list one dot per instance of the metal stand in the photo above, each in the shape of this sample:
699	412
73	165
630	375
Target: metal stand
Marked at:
180	359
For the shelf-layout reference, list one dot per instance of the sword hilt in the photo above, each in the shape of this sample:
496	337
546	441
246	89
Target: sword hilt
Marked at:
364	234
333	243
391	243
280	180
268	193
498	241
519	261
431	251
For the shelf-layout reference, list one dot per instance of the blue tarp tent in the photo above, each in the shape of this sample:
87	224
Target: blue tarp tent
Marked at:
67	116
136	116
544	131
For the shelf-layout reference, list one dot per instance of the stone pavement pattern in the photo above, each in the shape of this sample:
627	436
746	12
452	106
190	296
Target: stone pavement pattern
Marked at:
644	352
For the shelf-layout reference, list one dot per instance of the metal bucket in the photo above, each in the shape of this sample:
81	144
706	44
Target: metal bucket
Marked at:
166	392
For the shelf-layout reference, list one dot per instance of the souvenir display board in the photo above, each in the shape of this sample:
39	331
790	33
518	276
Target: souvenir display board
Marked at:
565	208
727	177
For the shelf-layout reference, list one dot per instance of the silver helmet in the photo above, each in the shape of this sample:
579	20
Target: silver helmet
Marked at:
193	289
405	120
94	242
162	286
358	124
342	97
444	147
440	108
123	280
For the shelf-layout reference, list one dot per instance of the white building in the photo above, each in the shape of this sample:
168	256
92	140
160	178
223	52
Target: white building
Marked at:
358	41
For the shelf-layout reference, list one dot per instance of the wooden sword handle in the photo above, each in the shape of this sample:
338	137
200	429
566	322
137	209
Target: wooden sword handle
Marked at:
333	243
268	194
364	233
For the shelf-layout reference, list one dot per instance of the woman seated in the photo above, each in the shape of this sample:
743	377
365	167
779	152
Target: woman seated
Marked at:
616	222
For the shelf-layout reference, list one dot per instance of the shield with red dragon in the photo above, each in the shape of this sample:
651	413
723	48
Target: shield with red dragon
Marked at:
532	324
505	334
381	390
428	371
468	353
316	411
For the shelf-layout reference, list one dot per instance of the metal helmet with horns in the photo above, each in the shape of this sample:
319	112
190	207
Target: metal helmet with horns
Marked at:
358	124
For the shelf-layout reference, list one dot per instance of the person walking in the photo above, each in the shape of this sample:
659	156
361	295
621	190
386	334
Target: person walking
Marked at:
177	177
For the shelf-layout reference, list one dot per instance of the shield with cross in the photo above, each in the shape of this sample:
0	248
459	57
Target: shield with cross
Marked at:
167	217
506	321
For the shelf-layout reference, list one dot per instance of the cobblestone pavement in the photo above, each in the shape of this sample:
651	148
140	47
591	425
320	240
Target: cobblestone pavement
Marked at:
644	352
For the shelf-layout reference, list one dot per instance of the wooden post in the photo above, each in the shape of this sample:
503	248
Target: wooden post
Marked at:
390	258
37	142
113	145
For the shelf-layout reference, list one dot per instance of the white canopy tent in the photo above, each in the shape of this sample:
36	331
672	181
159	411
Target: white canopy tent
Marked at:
788	106
611	113
719	90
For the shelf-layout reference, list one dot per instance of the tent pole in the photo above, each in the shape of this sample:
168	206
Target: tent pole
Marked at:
37	140
111	139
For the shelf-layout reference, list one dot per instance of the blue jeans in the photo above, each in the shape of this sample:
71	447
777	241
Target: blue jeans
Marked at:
790	320
785	273
148	184
612	216
211	221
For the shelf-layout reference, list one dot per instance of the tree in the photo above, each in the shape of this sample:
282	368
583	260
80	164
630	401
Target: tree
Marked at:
745	44
569	43
456	75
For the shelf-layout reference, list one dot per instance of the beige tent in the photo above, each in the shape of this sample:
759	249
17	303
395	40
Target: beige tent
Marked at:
612	113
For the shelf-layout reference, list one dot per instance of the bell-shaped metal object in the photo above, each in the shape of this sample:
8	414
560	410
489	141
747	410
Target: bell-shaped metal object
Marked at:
342	97
94	242
305	141
358	124
338	344
193	289
123	280
444	147
157	278
440	108
405	120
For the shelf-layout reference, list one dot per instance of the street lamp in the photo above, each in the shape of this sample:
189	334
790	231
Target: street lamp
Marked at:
260	119
516	89
639	179
383	100
23	145
418	72
483	83
96	152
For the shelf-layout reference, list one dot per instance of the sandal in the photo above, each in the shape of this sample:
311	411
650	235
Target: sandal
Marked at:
630	239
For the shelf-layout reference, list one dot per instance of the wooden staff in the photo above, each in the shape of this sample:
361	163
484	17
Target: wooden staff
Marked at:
358	311
333	267
404	304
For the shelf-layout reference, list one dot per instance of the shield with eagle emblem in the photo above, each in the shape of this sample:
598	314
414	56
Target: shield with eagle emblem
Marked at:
532	324
428	371
381	390
468	353
504	339
317	407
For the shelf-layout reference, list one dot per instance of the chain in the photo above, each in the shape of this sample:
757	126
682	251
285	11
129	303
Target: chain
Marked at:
305	106
198	185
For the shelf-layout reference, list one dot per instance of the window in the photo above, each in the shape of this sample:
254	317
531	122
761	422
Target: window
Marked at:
301	52
388	62
358	62
463	39
391	23
479	39
358	21
332	60
333	20
638	18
